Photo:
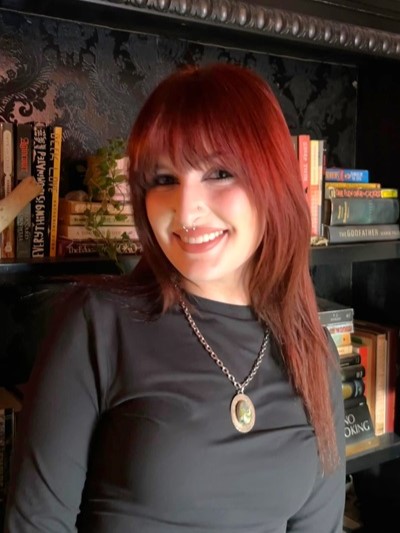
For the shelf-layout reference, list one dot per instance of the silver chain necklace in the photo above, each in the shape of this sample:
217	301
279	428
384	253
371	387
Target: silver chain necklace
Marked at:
243	413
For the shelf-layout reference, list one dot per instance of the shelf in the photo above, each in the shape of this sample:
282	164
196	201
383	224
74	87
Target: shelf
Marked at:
387	450
49	270
60	268
354	253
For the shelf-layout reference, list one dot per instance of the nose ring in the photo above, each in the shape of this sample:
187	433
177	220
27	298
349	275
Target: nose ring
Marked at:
186	228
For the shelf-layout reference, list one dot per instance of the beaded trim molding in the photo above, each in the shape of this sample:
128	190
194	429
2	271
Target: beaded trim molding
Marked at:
274	23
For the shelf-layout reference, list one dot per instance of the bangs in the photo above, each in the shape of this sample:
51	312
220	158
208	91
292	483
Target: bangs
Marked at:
195	124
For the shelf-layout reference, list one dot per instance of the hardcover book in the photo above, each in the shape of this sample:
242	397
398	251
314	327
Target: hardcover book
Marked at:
354	175
359	192
347	211
106	220
330	312
71	248
359	429
54	136
7	246
361	233
352	372
76	207
39	222
23	169
111	232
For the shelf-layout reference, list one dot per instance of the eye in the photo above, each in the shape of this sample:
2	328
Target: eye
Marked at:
220	174
161	180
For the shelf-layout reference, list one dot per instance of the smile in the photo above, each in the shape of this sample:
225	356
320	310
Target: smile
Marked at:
207	237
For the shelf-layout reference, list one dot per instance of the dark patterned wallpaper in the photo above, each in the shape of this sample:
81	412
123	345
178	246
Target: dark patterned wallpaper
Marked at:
93	80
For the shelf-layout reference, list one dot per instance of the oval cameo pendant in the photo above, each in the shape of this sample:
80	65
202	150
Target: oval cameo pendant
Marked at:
243	413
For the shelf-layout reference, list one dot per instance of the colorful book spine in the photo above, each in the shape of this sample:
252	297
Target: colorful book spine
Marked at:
73	248
76	207
352	372
53	185
39	222
303	151
330	312
347	174
7	248
361	233
23	169
349	211
360	192
106	220
111	232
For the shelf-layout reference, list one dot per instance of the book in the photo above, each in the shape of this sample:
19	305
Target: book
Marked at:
7	247
391	333
341	339
301	144
353	388
354	175
345	350
71	248
379	346
315	188
348	185
350	360
340	327
75	207
54	136
10	406
39	171
23	169
359	192
347	211
358	426
361	233
107	220
352	372
330	312
82	233
363	345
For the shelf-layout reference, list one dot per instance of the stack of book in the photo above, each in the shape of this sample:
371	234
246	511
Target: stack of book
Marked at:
359	429
76	238
356	209
10	406
311	155
378	346
31	149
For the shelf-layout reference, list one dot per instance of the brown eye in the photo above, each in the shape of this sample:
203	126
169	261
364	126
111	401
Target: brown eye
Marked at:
160	180
220	174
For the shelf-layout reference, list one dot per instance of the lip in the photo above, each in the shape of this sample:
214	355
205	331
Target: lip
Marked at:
202	247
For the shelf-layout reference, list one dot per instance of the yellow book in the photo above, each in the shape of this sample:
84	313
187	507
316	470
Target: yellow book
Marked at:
55	166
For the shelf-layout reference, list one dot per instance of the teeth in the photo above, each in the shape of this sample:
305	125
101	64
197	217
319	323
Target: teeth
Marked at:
207	237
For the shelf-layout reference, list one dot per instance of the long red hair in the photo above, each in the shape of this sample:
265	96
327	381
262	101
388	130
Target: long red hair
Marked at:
232	113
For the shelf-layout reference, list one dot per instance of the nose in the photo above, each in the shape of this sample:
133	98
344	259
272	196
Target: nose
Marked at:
189	203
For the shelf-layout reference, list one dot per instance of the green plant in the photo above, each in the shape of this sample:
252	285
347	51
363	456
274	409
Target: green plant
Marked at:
106	184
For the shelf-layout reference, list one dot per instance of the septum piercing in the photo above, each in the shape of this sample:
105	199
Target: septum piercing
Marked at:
186	228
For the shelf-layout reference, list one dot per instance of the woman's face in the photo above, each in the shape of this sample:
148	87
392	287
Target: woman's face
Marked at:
207	227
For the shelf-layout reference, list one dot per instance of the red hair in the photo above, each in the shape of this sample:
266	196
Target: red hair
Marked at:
232	114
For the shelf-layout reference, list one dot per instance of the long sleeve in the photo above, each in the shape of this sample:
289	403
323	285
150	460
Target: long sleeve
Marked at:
58	419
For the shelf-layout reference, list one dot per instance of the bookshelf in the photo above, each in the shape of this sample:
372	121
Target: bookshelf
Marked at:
365	35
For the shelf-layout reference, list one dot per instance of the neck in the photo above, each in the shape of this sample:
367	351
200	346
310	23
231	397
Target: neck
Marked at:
237	296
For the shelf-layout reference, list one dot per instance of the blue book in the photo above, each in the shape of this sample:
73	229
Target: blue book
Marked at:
350	175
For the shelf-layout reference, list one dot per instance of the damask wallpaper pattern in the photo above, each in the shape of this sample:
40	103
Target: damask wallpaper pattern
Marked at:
93	81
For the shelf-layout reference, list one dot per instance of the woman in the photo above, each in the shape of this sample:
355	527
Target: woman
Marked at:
203	395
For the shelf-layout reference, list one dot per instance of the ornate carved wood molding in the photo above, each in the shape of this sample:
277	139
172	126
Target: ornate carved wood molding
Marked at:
273	22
